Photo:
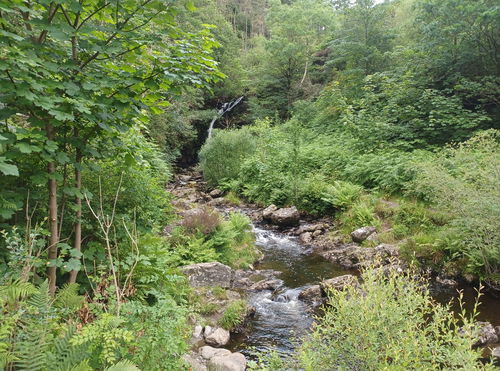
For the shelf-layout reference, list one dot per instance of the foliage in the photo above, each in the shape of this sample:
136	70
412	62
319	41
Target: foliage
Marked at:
463	180
162	333
234	315
221	157
390	321
230	242
204	220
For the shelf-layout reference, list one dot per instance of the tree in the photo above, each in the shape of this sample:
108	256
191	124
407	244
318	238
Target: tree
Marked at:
296	32
73	71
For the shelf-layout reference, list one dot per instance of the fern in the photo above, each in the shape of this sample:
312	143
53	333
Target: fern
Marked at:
68	298
41	299
65	355
123	365
15	291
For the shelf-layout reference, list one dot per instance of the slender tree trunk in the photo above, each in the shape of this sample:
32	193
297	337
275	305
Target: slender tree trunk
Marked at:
78	203
77	244
53	227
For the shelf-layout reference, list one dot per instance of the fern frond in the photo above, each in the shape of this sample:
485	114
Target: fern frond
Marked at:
82	366
68	298
41	299
31	347
16	291
66	356
123	365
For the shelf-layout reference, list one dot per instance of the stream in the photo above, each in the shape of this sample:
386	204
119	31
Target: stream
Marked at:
281	319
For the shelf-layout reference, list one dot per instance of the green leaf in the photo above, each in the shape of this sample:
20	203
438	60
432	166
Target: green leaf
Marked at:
8	169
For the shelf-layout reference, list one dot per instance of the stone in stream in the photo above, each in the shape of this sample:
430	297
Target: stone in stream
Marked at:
361	234
312	295
487	333
208	274
208	352
267	284
230	362
285	217
216	336
306	238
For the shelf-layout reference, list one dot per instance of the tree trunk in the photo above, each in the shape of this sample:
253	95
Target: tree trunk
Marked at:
53	227
78	202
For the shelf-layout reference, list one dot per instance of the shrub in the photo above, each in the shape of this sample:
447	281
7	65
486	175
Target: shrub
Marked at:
390	322
222	155
203	219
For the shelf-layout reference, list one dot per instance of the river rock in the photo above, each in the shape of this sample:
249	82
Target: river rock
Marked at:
317	232
245	279
194	363
219	201
311	294
339	283
313	228
231	362
361	234
487	333
216	193
306	238
217	337
268	211
208	352
285	217
446	282
208	274
270	284
355	256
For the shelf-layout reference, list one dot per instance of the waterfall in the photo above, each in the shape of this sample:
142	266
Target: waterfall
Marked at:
226	107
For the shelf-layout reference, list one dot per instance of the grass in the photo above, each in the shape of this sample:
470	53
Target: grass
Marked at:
234	315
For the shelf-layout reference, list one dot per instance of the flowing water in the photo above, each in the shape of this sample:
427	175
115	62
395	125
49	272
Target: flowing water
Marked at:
281	319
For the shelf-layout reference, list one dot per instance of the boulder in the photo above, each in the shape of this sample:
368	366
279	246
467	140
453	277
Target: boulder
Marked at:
306	238
216	193
194	363
361	234
268	284
339	283
197	339
217	337
355	256
286	217
487	333
208	352
497	330
312	295
231	362
208	274
268	211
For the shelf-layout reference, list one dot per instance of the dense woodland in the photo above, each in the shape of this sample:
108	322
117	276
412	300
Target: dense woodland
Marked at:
365	112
